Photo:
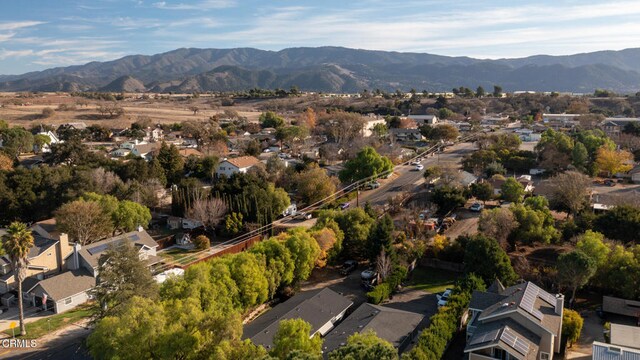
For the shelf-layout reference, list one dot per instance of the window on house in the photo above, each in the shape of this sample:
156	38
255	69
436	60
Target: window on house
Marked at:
544	356
616	350
68	301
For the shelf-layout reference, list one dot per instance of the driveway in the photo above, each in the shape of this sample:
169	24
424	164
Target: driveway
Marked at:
416	301
31	314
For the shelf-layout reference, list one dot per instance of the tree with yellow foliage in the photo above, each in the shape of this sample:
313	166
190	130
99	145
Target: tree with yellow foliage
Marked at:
612	161
6	164
439	243
309	118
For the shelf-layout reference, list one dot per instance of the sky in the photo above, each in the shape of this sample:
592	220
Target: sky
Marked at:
40	34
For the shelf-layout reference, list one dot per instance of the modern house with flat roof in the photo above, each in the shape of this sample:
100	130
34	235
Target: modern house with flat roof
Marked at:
624	344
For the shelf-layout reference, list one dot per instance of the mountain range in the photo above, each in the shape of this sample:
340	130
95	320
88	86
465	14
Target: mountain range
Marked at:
335	69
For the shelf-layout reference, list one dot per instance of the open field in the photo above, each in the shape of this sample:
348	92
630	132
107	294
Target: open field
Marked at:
161	111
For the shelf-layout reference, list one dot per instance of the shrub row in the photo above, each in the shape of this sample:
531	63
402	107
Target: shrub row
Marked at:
433	341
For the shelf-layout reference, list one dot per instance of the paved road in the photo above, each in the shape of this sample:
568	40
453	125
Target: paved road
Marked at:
406	179
68	344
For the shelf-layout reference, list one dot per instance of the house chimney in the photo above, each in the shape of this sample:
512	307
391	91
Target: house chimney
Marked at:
140	228
76	257
63	249
559	304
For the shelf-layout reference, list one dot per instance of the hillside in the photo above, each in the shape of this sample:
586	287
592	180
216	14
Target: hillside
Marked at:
335	69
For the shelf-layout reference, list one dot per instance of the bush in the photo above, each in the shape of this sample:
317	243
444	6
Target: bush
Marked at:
202	242
571	325
47	112
397	276
379	293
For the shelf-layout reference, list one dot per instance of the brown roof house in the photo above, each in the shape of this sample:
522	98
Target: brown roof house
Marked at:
65	291
519	322
240	164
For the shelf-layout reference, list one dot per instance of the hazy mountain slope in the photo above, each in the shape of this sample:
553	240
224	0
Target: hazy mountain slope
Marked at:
335	69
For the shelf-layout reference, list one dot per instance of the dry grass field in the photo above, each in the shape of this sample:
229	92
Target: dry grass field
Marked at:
172	110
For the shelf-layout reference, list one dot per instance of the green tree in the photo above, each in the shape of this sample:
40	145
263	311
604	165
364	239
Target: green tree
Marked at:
16	141
171	162
280	264
233	223
448	198
484	257
202	242
355	224
39	140
380	130
84	221
248	273
16	244
129	215
304	250
270	119
497	91
365	346
497	223
314	185
122	275
482	191
592	244
512	190
571	325
580	156
575	268
444	132
381	237
535	222
480	92
295	334
367	163
620	223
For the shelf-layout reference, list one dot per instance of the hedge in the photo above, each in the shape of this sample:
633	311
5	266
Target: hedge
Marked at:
379	293
433	341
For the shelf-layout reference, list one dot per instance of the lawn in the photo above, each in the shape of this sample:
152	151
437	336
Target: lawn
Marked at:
431	280
52	323
177	255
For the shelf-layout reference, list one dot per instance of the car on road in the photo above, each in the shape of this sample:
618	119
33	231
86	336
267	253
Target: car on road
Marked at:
476	207
348	267
419	167
610	183
415	162
344	206
303	216
371	185
443	298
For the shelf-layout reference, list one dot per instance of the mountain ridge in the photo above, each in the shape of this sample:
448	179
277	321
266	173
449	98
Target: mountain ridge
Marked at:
335	69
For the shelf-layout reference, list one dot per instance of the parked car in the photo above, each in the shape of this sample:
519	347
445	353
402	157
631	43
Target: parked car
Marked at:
419	167
476	207
610	183
371	185
443	298
348	267
303	216
369	279
344	206
415	162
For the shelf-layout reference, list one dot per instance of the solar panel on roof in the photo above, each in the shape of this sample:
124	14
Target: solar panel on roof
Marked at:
511	338
486	337
98	249
529	300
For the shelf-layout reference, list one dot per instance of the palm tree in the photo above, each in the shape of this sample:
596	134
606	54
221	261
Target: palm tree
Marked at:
16	244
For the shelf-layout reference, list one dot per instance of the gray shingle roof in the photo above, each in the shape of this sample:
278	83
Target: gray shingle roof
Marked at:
395	326
66	284
492	334
316	307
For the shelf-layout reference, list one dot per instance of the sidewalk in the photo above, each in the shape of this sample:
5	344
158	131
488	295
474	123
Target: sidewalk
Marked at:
63	343
31	314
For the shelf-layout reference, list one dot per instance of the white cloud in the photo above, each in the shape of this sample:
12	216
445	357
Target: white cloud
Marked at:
15	25
201	5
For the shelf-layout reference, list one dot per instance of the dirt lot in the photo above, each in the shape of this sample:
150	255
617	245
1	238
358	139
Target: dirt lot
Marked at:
160	111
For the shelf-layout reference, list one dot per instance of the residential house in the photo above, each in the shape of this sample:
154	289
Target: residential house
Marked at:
467	178
424	119
119	152
65	291
624	344
131	144
46	257
613	126
47	147
146	151
367	131
79	125
406	134
185	153
621	308
155	134
519	322
494	120
395	326
526	183
240	164
30	161
322	309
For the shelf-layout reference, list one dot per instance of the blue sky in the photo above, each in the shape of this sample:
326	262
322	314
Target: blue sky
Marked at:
38	34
